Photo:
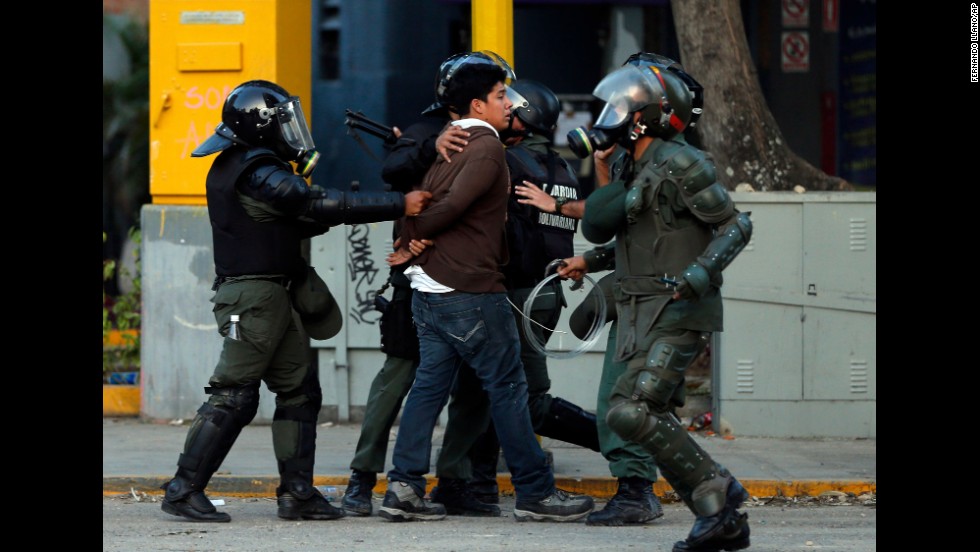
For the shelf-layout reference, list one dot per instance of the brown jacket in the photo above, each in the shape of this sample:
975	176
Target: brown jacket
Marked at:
466	217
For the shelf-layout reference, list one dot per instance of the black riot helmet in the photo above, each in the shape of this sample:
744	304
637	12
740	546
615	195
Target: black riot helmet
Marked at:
452	64
540	112
640	59
261	114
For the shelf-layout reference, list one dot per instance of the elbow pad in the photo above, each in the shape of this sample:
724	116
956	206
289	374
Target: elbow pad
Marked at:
727	245
696	278
282	190
337	207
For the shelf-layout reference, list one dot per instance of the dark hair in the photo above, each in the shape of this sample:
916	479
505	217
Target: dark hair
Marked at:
472	81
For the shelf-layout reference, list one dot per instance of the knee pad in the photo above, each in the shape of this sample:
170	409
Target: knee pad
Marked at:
629	419
664	369
214	430
241	403
681	460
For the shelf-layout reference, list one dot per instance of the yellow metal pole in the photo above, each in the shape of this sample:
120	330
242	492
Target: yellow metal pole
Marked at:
493	28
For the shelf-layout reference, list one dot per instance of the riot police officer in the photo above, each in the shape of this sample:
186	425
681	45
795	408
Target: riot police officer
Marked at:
634	467
676	229
261	210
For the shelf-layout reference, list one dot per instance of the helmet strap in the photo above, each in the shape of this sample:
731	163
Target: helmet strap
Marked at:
639	129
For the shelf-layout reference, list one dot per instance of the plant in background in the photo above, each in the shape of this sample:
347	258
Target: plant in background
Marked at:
125	184
121	315
125	131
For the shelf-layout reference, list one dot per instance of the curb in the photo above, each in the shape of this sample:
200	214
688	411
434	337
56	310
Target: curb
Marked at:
597	487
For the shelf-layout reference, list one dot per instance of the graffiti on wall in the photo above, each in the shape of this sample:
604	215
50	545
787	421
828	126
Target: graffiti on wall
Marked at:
363	275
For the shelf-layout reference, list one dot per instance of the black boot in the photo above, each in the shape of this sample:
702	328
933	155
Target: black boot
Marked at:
568	422
180	500
485	492
728	529
210	437
305	504
459	501
633	503
296	496
357	497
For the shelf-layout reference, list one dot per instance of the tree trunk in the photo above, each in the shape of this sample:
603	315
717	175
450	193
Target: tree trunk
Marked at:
737	126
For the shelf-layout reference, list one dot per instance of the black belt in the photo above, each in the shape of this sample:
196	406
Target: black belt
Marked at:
452	293
283	281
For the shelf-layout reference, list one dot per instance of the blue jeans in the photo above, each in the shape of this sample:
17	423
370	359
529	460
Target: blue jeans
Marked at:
478	329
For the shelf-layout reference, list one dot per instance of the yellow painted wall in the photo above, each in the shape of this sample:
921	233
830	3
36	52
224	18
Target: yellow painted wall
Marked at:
199	51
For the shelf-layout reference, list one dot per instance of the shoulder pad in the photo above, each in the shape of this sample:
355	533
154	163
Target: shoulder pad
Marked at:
712	204
692	171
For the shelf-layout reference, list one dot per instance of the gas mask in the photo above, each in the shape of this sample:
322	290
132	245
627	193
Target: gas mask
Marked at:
626	91
584	141
296	138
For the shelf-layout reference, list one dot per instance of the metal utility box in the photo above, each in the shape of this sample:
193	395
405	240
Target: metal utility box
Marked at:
799	352
201	50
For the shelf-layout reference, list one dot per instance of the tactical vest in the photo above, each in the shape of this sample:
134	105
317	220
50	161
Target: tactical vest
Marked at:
670	240
534	237
242	245
661	238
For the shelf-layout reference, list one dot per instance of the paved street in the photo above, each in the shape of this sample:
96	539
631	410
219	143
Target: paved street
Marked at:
129	525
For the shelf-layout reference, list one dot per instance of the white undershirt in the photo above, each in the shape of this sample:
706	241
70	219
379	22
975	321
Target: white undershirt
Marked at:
423	282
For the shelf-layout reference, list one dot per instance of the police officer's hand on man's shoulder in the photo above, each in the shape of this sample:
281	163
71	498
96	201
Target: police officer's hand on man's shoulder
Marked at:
452	138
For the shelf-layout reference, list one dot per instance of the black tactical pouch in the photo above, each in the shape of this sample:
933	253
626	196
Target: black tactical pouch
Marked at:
398	336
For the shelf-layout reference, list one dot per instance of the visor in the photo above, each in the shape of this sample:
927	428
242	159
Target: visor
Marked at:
295	133
221	140
517	101
625	91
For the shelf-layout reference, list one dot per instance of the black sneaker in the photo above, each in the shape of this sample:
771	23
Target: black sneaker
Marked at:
357	497
401	503
193	506
314	507
558	506
459	501
634	503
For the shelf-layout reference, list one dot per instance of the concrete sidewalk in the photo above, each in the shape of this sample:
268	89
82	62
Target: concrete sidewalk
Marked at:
139	456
